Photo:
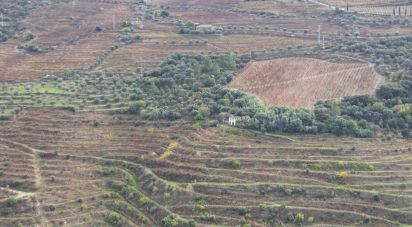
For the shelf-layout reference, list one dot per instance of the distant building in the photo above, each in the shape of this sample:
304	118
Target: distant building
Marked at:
231	119
207	28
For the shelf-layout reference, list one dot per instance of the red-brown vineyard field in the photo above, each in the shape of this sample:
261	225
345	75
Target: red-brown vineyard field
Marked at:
70	21
69	29
18	66
301	82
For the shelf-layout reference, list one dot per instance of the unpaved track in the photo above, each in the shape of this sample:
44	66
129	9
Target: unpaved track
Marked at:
38	179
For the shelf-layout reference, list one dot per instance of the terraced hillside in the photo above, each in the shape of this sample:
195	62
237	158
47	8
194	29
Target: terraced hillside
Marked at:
280	7
116	112
363	3
89	169
301	82
62	36
157	45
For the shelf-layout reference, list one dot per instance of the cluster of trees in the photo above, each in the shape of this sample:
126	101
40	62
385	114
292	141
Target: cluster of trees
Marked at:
390	109
14	11
186	87
187	28
35	48
282	120
191	28
128	34
354	21
395	52
128	37
193	87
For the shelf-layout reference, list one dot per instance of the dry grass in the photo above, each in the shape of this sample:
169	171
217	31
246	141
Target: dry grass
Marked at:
76	160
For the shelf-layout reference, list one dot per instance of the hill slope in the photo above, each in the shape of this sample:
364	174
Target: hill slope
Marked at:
78	172
301	82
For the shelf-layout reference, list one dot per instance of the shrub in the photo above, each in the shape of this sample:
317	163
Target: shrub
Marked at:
126	24
189	187
144	201
300	217
365	166
343	175
190	223
11	202
130	209
233	163
164	14
169	221
166	195
290	217
52	208
113	218
109	194
262	206
29	36
288	191
208	218
311	219
201	205
83	206
135	108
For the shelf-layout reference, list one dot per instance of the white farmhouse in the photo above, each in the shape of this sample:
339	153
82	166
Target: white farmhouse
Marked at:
234	119
205	28
208	28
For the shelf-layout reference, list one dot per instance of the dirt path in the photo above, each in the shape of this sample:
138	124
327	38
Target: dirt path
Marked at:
18	194
38	178
323	4
40	186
